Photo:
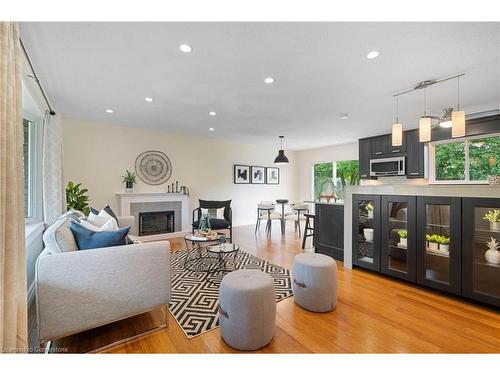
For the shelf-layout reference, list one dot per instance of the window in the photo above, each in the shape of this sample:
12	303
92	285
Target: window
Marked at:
346	171
466	161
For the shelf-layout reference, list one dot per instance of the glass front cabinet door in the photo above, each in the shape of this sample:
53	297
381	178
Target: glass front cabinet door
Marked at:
481	249
439	243
366	231
398	236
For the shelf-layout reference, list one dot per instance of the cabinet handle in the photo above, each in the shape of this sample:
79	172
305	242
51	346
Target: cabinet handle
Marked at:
396	150
414	173
378	153
364	175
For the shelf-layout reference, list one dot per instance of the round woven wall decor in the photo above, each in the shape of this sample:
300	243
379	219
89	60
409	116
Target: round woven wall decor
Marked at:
153	167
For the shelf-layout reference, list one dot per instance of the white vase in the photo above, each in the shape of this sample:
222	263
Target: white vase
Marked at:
492	256
434	246
370	214
495	225
368	234
403	242
444	248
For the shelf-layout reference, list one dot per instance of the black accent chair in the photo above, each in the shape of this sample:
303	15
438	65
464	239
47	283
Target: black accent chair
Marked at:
215	224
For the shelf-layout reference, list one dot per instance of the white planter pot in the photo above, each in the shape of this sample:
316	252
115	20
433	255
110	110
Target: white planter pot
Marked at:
370	214
434	246
492	256
495	226
444	248
368	234
403	242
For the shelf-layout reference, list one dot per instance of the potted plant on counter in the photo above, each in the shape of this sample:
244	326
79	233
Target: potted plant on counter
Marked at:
129	181
492	255
403	238
369	210
493	217
444	243
432	241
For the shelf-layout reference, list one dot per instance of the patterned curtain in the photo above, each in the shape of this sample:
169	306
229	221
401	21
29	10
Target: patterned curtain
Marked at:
53	196
13	295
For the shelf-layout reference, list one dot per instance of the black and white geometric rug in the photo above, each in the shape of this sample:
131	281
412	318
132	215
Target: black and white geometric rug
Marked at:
195	297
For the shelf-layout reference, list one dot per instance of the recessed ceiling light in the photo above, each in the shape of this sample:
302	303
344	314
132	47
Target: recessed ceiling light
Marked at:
185	48
373	54
211	129
109	111
269	80
344	116
148	99
212	113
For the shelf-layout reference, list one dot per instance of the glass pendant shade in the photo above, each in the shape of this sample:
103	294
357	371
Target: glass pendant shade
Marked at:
458	124
424	131
397	134
281	158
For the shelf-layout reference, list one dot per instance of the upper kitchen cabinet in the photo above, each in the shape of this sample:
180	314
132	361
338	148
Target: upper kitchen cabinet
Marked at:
365	151
382	146
415	158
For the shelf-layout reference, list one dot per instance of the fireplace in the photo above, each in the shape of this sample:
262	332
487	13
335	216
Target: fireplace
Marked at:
156	222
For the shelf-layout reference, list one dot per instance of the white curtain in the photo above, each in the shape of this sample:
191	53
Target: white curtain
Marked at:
53	195
13	295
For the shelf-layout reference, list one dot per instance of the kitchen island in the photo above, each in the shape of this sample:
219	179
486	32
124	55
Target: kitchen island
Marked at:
329	229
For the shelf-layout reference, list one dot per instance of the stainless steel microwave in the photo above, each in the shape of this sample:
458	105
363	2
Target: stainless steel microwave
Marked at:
388	167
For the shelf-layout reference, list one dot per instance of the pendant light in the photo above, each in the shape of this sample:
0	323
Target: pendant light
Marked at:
397	128
424	125
458	117
281	158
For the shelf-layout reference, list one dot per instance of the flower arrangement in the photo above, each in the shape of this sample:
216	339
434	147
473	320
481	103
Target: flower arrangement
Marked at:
443	240
369	206
432	241
403	240
403	233
493	216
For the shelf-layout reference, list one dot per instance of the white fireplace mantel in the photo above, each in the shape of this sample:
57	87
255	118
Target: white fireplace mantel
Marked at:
126	199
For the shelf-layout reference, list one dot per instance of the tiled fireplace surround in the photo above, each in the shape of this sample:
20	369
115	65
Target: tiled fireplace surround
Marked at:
131	204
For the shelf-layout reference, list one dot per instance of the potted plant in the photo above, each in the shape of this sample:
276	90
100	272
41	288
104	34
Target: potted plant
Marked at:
493	216
369	210
76	198
432	241
492	255
403	237
444	243
129	180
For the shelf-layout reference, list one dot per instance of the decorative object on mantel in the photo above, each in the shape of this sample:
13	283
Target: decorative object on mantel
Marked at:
281	158
174	189
492	255
76	198
153	167
129	179
494	218
450	118
494	180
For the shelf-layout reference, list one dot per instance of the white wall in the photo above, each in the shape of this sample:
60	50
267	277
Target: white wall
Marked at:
307	158
97	154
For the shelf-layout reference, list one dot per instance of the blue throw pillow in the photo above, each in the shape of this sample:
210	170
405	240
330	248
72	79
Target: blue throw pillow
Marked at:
87	239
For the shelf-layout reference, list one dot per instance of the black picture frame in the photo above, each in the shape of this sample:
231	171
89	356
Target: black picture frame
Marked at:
256	169
275	182
237	170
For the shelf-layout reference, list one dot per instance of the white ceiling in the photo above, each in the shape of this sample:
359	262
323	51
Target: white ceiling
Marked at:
320	71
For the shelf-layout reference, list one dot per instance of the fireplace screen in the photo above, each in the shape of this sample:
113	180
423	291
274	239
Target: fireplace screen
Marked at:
156	222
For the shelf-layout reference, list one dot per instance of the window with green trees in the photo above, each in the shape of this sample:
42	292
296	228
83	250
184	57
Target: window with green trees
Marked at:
346	170
470	160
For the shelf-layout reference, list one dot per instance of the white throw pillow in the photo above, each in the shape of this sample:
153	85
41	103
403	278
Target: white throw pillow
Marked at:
87	225
214	213
110	225
97	220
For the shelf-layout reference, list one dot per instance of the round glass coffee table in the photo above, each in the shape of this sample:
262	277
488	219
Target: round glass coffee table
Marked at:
200	262
223	252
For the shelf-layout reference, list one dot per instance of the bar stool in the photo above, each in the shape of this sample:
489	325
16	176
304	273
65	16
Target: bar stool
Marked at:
309	230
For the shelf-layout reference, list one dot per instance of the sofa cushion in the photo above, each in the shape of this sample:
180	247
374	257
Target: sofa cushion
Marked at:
108	210
214	224
58	237
88	239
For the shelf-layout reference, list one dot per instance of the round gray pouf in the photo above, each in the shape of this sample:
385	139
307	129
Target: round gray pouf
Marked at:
315	282
247	309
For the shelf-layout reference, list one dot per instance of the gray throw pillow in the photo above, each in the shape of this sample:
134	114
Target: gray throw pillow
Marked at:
58	238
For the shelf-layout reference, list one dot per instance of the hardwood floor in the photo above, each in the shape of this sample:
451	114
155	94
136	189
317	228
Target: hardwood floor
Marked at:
374	314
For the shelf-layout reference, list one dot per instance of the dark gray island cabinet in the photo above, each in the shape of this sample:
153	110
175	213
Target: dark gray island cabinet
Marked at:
329	229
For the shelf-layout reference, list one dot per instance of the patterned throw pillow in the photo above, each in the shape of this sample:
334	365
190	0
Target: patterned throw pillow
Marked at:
213	213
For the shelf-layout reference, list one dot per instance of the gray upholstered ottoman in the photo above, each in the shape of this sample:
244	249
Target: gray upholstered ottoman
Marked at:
247	309
315	282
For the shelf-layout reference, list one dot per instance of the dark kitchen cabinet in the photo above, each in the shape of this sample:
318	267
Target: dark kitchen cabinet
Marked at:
398	236
366	231
481	270
365	152
329	230
439	265
415	159
381	146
